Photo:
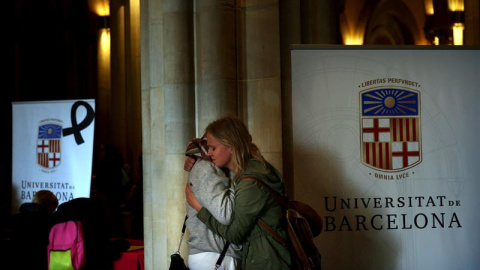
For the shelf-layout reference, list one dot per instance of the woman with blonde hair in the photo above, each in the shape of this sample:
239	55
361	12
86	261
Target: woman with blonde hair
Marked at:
230	146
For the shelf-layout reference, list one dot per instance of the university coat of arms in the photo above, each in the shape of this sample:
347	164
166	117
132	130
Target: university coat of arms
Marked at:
48	146
390	128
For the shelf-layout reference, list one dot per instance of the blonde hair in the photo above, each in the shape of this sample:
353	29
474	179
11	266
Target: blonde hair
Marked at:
232	132
47	199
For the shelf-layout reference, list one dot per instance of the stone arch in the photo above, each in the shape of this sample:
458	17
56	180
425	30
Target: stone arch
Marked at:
391	23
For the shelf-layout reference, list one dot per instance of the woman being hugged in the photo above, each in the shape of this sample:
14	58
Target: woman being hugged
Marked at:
230	146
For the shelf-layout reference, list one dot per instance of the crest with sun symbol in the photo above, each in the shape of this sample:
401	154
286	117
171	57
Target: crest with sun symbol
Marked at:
48	145
390	128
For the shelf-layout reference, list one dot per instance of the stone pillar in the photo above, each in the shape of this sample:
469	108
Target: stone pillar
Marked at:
168	122
258	42
290	27
472	23
133	102
320	23
301	22
102	102
215	61
123	98
118	110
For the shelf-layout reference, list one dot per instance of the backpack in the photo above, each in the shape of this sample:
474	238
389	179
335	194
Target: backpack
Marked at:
303	225
66	246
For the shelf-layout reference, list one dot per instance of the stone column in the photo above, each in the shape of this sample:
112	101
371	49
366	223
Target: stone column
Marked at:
290	27
102	102
472	23
215	61
133	102
122	101
118	110
301	22
168	122
320	23
258	41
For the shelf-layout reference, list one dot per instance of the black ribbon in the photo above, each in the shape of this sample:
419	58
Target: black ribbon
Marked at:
77	128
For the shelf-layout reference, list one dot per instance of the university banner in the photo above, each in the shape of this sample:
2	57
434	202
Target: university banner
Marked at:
385	145
52	148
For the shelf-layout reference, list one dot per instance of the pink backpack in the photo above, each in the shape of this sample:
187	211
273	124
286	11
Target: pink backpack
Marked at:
66	247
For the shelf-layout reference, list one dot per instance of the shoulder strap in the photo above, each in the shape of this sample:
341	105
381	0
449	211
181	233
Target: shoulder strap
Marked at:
183	233
272	232
283	201
222	255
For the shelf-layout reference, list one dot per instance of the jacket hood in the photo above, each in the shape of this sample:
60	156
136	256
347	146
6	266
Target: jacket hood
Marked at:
268	174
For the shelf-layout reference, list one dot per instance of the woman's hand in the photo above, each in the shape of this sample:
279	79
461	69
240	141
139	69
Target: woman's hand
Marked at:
189	162
191	199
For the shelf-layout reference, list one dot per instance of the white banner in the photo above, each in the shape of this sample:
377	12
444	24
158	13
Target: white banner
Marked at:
385	148
52	149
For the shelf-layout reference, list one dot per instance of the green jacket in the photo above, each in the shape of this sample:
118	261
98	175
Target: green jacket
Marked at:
253	200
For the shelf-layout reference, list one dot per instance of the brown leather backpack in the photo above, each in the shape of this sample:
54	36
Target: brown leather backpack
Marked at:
303	224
